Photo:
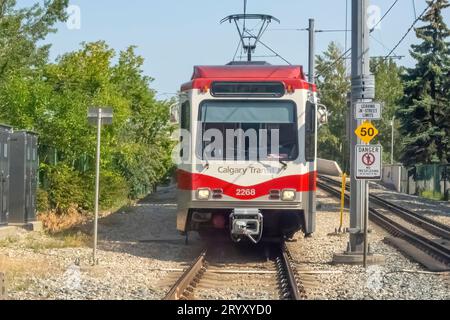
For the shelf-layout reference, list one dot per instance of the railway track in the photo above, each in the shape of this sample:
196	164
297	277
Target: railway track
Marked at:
411	231
285	276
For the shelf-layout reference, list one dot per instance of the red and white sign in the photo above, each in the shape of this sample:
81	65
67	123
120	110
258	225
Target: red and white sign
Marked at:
369	162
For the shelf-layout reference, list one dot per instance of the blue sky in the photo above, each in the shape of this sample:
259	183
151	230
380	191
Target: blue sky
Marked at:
175	35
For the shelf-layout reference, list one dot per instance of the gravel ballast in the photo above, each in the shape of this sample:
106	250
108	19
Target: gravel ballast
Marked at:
138	246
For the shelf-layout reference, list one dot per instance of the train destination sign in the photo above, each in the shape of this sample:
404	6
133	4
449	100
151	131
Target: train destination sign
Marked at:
368	162
368	111
367	132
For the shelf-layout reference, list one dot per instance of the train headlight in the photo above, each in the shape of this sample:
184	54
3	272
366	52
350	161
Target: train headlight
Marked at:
288	195
203	194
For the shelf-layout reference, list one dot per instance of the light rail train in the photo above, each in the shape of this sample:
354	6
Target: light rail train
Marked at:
249	152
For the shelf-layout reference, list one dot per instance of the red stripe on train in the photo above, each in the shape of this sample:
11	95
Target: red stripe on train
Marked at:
193	181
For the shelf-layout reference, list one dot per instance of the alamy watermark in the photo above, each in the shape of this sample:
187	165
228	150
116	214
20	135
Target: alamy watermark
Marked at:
74	17
230	145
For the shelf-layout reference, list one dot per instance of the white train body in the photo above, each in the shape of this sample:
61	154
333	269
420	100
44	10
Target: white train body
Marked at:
262	196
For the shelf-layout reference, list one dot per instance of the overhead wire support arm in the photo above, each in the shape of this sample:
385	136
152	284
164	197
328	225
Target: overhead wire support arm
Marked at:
245	34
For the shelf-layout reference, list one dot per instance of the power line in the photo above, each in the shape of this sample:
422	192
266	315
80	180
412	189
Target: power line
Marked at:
414	8
381	43
270	49
307	29
409	30
384	16
237	50
343	56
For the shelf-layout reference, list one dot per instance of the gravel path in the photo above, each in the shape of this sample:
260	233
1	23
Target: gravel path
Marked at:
139	245
133	247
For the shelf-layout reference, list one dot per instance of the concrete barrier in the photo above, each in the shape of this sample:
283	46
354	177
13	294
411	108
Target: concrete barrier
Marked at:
392	175
328	167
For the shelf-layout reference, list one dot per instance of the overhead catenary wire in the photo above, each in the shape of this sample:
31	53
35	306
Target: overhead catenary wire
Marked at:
384	16
409	30
237	50
345	54
269	48
414	8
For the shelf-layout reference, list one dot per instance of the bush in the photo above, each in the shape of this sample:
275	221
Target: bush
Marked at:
42	202
114	189
55	222
65	187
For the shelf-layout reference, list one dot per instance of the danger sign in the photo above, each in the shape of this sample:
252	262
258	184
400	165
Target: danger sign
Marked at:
368	162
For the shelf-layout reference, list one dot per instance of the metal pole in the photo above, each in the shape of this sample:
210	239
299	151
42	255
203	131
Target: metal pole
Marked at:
392	141
344	184
362	89
312	55
97	183
366	226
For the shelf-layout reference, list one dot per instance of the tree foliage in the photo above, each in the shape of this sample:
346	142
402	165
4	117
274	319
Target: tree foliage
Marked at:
334	84
425	112
20	31
52	99
389	91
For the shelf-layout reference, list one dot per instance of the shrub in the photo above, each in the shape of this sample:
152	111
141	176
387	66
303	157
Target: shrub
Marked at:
114	189
65	187
42	202
55	222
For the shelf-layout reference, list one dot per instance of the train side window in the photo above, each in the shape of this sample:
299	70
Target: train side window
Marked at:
185	121
186	115
310	130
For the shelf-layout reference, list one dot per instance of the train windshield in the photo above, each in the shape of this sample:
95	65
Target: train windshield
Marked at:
269	129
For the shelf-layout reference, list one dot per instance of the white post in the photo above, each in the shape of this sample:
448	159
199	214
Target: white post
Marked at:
97	182
366	225
392	141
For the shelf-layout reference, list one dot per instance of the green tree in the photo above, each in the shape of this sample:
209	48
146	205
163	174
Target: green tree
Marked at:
425	114
22	29
334	84
53	101
389	91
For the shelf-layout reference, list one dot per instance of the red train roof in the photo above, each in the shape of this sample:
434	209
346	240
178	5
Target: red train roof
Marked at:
249	71
290	75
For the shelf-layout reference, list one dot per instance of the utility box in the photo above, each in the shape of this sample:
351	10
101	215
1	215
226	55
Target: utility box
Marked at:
23	177
5	134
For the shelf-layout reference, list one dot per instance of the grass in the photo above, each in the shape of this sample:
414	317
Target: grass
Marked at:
19	270
8	241
58	241
432	195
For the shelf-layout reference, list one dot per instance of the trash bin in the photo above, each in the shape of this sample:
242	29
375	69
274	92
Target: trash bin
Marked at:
5	133
23	177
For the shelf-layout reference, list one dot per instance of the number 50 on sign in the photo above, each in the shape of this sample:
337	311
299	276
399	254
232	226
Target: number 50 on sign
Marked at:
367	132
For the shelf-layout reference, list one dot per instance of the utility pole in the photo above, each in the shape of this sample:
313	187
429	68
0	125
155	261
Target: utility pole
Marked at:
363	87
363	90
312	54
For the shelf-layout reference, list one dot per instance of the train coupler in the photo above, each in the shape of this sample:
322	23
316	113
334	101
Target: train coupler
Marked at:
246	224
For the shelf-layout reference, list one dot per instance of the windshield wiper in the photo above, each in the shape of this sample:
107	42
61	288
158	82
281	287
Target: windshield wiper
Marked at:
284	164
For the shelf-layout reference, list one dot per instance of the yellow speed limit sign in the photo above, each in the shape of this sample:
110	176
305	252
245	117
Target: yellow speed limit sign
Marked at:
367	132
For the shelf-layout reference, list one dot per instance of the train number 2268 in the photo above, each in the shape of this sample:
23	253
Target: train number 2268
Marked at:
245	192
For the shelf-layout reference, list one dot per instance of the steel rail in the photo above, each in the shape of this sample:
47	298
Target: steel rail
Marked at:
183	288
434	249
426	223
295	292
